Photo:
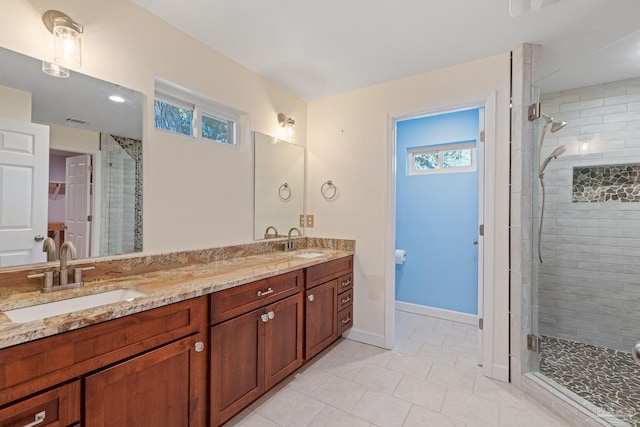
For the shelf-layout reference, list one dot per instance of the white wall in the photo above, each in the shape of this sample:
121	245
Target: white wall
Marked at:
348	143
196	194
15	103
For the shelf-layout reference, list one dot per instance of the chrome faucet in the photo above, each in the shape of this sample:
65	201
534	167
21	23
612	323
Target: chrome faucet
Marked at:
266	232
64	275
288	245
49	246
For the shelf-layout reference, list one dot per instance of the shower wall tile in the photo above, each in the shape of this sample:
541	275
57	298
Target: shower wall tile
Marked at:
589	282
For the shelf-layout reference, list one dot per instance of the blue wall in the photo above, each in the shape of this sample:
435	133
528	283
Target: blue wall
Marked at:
437	219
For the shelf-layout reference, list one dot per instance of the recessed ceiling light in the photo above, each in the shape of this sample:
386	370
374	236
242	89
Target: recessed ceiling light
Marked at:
116	98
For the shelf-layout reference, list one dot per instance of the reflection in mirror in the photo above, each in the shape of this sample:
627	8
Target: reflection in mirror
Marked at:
70	163
279	186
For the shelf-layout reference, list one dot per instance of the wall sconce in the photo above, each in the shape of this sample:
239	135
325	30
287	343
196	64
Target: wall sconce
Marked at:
66	40
287	122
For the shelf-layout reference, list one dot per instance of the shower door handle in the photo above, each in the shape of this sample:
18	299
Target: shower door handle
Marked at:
635	351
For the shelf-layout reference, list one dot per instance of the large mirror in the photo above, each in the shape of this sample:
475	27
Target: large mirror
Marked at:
70	163
279	186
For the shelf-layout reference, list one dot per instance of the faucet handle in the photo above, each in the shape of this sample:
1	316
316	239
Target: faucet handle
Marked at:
77	273
48	279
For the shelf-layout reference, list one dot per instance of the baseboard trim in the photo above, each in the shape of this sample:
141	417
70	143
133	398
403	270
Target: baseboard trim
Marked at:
365	337
440	313
500	373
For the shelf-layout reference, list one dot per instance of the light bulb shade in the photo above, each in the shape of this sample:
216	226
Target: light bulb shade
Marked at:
66	46
54	70
66	32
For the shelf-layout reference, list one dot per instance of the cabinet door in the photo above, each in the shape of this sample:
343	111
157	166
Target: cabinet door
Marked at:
162	387
283	339
237	365
55	408
321	318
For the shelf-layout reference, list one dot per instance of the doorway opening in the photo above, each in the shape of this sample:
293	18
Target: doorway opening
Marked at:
438	213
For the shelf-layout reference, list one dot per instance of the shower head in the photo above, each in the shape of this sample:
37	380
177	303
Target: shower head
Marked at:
555	125
554	155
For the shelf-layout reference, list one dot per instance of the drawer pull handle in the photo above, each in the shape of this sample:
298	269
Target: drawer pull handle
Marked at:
38	419
271	315
199	346
346	320
346	283
267	292
311	297
264	318
346	300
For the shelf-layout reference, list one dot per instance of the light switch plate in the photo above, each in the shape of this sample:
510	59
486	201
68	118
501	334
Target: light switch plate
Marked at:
301	220
309	221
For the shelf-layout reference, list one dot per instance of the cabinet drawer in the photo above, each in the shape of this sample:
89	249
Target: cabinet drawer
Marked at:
345	319
57	407
330	270
244	298
28	368
345	282
345	299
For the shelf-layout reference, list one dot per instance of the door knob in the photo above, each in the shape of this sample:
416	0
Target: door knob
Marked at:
39	238
475	242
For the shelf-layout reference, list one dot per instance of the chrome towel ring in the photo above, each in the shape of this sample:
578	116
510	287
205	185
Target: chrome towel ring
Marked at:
284	192
329	190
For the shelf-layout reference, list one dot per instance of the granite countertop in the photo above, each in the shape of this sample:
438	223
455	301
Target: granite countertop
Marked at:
160	288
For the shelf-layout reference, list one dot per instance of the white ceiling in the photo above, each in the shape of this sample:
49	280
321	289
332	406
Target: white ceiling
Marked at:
79	97
320	48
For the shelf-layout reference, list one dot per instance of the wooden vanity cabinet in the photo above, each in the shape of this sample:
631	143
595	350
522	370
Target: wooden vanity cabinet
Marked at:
126	366
157	388
328	303
254	349
58	407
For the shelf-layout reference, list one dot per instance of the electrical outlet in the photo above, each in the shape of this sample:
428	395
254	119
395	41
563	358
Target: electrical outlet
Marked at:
301	220
309	221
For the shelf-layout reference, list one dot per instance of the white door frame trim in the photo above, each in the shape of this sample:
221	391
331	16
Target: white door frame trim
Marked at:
488	102
97	190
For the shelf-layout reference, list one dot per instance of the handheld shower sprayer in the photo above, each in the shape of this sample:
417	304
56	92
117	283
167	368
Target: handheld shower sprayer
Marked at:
555	127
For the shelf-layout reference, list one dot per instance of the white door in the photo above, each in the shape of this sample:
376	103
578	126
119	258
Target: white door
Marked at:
78	202
24	183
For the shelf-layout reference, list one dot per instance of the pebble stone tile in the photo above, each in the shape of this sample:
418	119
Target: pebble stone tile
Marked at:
606	378
610	183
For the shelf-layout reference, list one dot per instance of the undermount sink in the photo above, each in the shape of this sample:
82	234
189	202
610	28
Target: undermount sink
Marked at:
308	255
50	309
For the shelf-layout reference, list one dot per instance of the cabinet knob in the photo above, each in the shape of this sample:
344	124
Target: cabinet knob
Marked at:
264	318
38	419
271	315
199	346
311	297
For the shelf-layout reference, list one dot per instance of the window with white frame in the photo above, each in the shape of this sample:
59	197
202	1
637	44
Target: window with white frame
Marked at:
181	111
445	158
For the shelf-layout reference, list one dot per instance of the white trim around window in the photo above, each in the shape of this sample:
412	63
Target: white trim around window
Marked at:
433	159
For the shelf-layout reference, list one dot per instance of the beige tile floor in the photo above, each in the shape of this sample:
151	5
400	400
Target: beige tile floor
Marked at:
429	379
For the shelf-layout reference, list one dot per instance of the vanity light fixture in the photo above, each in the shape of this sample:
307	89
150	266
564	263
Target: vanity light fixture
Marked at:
54	70
286	122
116	98
66	39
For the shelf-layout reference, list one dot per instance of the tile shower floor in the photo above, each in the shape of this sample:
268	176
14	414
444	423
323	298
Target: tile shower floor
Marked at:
429	379
606	378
